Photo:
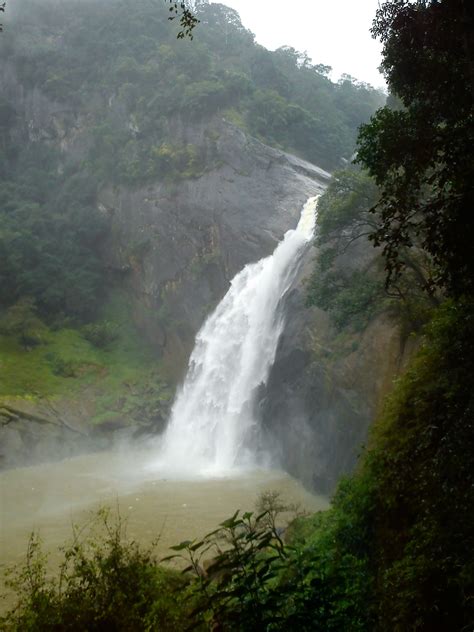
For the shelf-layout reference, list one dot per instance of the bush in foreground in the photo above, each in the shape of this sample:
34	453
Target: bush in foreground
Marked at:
105	582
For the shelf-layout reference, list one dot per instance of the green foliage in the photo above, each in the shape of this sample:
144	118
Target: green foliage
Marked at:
21	321
422	464
345	206
61	367
347	280
329	581
123	379
236	591
241	576
187	20
394	551
50	229
174	163
272	505
399	537
396	546
319	579
119	88
420	154
351	299
106	582
135	81
101	334
127	160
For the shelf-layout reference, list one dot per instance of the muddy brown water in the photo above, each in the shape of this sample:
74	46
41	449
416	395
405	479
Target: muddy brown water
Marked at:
50	498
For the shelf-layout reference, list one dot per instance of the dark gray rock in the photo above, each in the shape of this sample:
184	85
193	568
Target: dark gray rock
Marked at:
177	246
324	392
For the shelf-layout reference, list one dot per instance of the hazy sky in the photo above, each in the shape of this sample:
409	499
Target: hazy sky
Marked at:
333	32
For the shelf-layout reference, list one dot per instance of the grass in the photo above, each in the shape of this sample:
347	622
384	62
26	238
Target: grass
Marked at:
124	377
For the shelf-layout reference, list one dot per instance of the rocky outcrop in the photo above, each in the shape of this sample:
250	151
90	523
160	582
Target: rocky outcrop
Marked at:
325	389
35	431
176	246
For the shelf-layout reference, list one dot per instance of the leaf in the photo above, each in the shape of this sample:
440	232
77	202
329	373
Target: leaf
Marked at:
231	522
196	546
182	545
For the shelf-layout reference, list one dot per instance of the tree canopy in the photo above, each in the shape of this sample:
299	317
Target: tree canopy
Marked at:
420	153
133	58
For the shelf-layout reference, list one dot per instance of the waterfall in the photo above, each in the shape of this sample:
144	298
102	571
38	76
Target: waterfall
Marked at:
213	427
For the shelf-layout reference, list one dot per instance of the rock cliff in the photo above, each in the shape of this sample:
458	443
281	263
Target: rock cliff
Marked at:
326	388
177	246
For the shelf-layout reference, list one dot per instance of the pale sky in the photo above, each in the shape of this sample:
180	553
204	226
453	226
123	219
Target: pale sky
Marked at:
333	32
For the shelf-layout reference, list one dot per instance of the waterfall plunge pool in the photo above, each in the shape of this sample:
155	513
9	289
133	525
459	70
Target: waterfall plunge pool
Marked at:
50	498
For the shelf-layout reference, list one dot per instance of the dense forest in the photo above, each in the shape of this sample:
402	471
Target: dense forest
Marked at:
395	550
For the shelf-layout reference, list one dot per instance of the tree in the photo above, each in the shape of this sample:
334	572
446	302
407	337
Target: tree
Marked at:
421	154
187	20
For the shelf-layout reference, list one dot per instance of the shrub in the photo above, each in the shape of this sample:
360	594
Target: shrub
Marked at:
235	593
351	299
106	582
100	335
22	322
60	366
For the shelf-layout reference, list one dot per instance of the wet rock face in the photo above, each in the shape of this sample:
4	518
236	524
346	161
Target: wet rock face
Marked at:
178	245
322	396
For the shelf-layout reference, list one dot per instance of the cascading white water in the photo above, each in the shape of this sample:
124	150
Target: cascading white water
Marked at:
212	427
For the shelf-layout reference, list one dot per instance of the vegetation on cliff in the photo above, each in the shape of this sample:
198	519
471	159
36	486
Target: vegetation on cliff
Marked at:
129	76
415	479
349	278
49	236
